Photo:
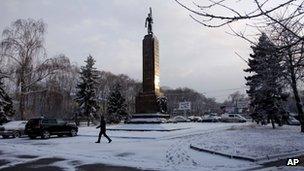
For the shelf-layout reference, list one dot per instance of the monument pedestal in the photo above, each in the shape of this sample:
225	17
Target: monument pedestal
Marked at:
148	118
147	110
146	103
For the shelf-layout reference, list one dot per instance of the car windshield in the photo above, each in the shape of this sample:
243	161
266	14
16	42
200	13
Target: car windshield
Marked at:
179	117
49	121
61	122
292	118
239	116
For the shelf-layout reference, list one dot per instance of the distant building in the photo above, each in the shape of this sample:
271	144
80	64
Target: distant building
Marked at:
241	107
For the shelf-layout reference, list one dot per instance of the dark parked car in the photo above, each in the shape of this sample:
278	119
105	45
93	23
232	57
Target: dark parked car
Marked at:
46	127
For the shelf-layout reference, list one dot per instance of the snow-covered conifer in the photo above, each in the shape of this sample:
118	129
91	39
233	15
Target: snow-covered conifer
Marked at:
265	82
116	106
6	104
86	96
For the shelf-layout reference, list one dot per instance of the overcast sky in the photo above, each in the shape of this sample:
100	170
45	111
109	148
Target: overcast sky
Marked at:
112	32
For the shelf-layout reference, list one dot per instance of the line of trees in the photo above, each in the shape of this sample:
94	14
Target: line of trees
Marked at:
200	104
39	85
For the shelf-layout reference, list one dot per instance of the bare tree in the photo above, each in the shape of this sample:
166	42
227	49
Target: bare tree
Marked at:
53	97
218	13
293	58
23	46
236	97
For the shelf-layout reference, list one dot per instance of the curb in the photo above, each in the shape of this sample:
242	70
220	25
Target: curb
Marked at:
222	154
261	160
159	130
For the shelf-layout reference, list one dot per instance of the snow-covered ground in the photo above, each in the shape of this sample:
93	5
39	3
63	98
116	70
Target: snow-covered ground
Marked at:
153	150
255	141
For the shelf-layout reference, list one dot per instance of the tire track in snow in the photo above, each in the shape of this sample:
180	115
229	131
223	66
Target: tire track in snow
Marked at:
179	153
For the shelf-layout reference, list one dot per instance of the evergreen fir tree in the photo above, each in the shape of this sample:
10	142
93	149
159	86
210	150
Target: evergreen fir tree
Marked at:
6	104
86	96
116	106
265	84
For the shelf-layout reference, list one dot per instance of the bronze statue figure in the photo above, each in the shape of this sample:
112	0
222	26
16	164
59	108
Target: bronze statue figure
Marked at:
149	21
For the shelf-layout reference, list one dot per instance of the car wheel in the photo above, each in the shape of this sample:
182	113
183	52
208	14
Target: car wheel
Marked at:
16	134
5	136
45	135
73	132
32	136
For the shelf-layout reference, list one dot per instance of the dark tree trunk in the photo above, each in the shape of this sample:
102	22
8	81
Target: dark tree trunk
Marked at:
76	119
22	106
88	116
272	123
22	99
296	93
299	105
88	119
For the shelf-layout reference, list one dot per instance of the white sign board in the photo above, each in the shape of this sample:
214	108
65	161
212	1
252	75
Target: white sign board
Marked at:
184	106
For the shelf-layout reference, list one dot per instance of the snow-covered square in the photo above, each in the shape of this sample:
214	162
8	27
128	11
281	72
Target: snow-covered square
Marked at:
156	150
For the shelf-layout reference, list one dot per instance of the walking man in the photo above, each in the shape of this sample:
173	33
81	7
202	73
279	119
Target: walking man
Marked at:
102	127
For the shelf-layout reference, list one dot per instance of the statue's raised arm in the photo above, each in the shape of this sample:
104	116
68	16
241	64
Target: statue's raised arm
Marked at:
149	22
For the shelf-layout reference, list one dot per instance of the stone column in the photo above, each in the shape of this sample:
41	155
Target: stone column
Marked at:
146	101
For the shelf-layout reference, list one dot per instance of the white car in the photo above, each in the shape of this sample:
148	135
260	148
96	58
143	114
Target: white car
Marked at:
293	121
13	129
180	119
195	118
191	118
233	118
211	118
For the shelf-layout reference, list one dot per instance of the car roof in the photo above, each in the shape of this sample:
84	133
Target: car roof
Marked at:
41	118
11	123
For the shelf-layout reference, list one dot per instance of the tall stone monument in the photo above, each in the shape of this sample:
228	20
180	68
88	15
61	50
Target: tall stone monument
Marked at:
146	101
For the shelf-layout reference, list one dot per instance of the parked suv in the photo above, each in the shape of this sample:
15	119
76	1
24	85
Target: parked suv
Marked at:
46	127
